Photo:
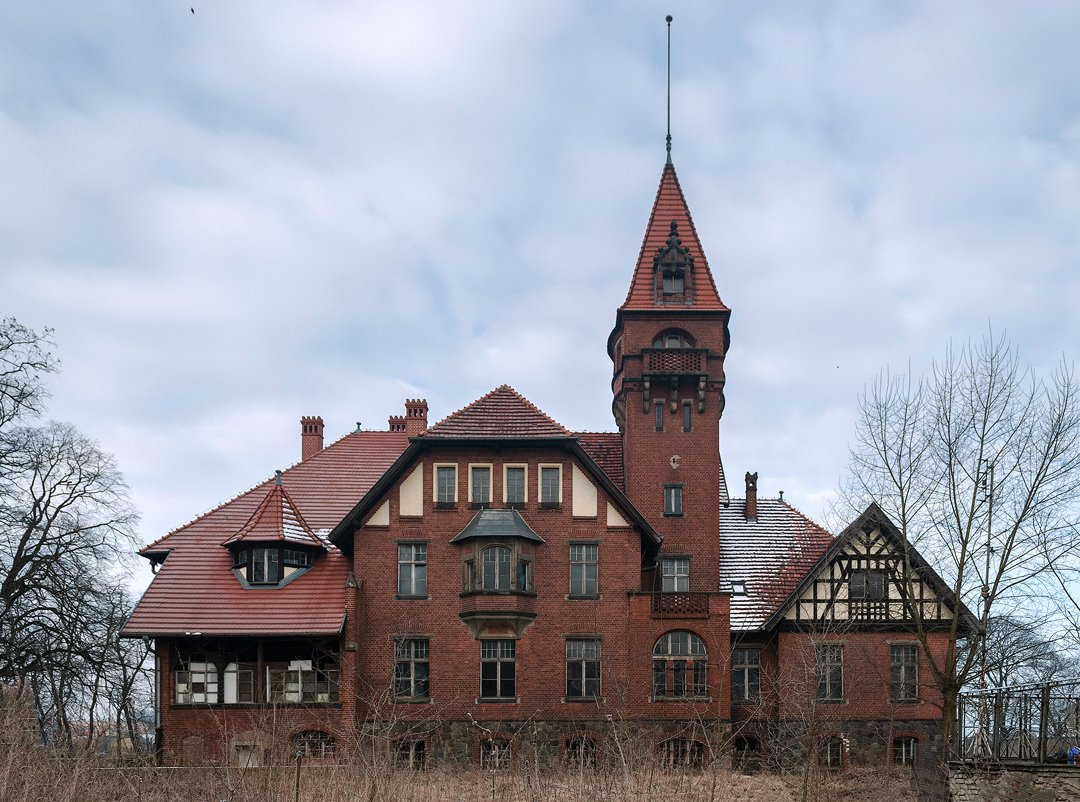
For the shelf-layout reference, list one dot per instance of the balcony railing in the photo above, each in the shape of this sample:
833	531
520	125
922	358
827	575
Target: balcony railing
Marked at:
680	605
669	361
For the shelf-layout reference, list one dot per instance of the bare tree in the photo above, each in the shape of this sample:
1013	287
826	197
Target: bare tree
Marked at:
66	524
978	465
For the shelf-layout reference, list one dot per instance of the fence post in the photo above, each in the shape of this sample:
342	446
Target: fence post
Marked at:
1044	716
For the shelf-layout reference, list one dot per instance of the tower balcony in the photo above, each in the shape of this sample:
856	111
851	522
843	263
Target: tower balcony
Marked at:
680	605
675	361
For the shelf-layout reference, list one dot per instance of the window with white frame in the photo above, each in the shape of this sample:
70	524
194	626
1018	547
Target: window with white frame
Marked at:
550	485
745	675
680	666
584	569
498	669
831	753
582	668
830	671
411	668
479	484
514	485
412	569
196	681
314	744
675	574
445	484
904	684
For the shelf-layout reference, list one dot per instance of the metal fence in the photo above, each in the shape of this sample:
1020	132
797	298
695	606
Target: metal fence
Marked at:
1038	723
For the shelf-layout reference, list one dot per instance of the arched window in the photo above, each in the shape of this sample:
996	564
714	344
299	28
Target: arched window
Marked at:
496	568
314	744
673	338
679	666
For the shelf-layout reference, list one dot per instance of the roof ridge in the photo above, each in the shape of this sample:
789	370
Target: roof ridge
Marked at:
501	389
149	547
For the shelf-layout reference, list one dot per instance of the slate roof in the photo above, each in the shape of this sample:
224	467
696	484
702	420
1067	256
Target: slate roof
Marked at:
276	520
772	555
670	204
501	414
497	523
195	590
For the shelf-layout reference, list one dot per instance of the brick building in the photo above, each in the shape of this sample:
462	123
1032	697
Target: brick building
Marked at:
495	587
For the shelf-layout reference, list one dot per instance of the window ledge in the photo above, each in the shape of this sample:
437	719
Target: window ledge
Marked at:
410	700
410	597
515	505
445	505
905	701
673	515
550	505
490	700
577	700
668	699
831	701
250	705
527	593
583	596
479	505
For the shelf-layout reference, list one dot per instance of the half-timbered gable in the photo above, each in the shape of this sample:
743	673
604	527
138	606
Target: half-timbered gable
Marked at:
870	578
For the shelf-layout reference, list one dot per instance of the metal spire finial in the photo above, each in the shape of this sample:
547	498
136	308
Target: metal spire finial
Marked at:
669	89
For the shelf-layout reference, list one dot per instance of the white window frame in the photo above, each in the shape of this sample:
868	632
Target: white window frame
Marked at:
435	482
675	574
550	466
491	475
525	482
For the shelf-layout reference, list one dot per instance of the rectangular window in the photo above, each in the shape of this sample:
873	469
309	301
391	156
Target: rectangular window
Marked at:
296	557
196	681
550	485
412	569
410	754
445	484
830	671
867	586
673	500
905	673
515	484
660	416
675	575
831	755
497	669
524	580
584	576
480	484
904	750
687	417
583	668
411	674
745	675
265	566
494	754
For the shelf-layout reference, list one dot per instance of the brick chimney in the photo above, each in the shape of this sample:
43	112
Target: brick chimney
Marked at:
414	421
415	416
311	436
751	496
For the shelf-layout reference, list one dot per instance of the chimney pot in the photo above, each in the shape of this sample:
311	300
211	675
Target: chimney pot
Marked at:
751	496
311	436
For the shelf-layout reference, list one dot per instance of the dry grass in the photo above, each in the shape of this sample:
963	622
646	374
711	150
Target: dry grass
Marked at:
31	774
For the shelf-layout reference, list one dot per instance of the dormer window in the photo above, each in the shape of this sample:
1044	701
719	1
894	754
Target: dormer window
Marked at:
673	266
270	565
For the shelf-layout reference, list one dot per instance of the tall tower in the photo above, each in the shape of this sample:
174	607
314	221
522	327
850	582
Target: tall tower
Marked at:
668	347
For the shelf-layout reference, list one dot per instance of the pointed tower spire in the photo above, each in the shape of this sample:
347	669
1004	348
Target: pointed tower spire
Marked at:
668	142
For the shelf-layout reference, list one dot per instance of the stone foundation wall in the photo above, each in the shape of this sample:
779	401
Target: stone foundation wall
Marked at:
1014	783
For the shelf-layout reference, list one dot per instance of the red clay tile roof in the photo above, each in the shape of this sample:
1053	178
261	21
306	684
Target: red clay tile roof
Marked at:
501	414
276	519
195	589
671	205
606	450
772	555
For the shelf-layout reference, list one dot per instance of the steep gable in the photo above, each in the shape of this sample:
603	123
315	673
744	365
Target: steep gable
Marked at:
670	207
862	580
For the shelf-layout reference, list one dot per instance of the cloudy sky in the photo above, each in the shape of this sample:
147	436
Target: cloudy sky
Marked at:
256	211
